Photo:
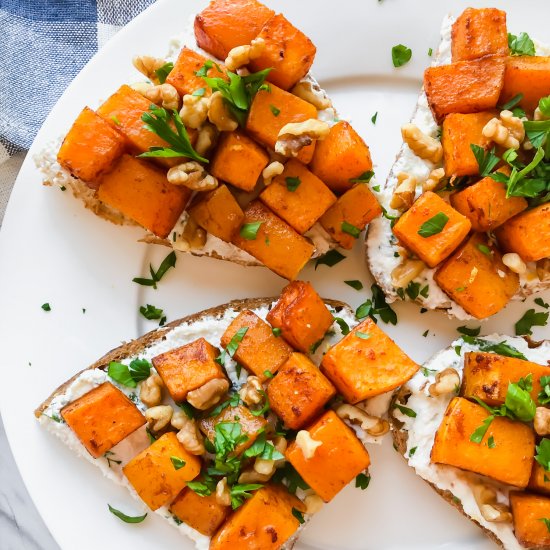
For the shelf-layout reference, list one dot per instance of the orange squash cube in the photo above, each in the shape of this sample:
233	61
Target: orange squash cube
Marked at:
342	156
153	474
338	460
201	513
485	204
356	208
528	511
102	418
187	368
431	249
259	351
465	86
225	24
479	32
90	148
276	245
367	362
288	51
301	315
299	392
476	279
264	521
218	212
527	234
298	196
509	461
540	479
487	375
238	160
141	192
458	133
271	110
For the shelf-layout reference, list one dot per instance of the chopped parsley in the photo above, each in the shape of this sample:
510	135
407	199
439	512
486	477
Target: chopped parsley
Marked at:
156	276
233	346
292	183
129	375
521	44
274	110
374	117
46	307
365	177
177	462
362	481
529	320
298	515
350	229
362	335
151	312
400	55
249	231
357	285
543	453
486	160
331	258
434	225
344	327
405	410
163	72
469	331
502	348
125	518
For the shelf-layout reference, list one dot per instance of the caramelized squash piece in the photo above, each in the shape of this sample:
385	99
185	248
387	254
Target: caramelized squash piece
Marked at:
353	211
276	245
102	418
265	521
271	110
301	315
487	375
153	474
431	249
288	52
238	160
540	479
299	392
141	192
90	148
479	32
225	24
298	196
458	133
341	157
366	363
527	234
528	511
476	279
465	86
509	461
187	368
338	460
259	351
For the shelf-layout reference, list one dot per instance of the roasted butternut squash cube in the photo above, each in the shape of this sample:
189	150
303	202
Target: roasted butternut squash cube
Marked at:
367	362
351	213
301	315
458	133
156	477
485	204
341	157
264	521
218	212
338	460
276	244
271	110
140	191
187	368
259	351
250	425
431	244
527	234
298	196
527	75
90	148
299	392
102	418
288	51
238	160
528	511
509	461
224	24
464	87
476	279
479	32
487	375
540	479
201	513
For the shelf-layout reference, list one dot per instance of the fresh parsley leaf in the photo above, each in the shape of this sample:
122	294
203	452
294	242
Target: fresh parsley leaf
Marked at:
425	291
151	312
434	225
292	477
276	332
126	519
546	522
362	335
412	451
233	401
298	515
163	72
264	408
430	52
189	411
261	448
129	375
491	442
543	453
479	433
46	307
331	258
540	302
350	229
520	403
150	436
249	231
413	290
511	103
364	310
232	347
377	306
544	394
544	105
501	348
536	131
529	320
344	327
357	285
362	481
268	374
292	183
485	249
274	110
405	410
227	437
203	488
156	276
400	55
177	462
486	160
240	493
374	117
425	333
365	177
469	331
521	44
199	92
108	457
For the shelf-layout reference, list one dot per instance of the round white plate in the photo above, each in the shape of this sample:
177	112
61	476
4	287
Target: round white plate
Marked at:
53	250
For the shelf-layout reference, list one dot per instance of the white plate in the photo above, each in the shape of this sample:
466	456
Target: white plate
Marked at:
53	250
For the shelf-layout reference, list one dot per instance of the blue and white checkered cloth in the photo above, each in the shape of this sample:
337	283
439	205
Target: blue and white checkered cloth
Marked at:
43	46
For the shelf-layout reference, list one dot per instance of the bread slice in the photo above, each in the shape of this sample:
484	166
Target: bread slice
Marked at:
417	433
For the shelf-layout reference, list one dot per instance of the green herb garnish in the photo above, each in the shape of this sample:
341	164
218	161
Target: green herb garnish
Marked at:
331	258
177	462
151	312
46	307
357	285
405	410
126	519
156	276
274	110
529	320
163	72
486	160
501	348
521	44
344	327
434	225
350	229
249	231
400	55
129	375
469	331
365	177
292	183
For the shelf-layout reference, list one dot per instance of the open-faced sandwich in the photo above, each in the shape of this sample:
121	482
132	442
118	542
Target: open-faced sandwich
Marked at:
237	448
475	424
467	224
230	149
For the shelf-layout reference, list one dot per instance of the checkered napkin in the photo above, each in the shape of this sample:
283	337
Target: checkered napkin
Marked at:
43	46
